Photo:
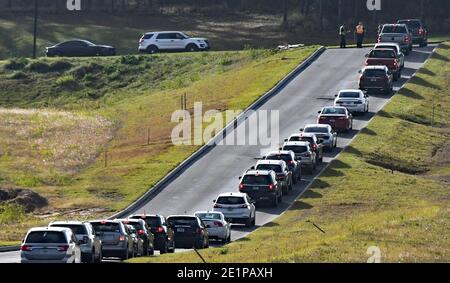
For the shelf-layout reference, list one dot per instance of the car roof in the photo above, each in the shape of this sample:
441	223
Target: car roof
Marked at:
409	20
395	25
53	229
297	143
334	107
375	67
387	44
274	162
278	152
129	219
143	215
258	172
232	194
317	126
105	221
185	216
382	49
165	31
210	212
67	223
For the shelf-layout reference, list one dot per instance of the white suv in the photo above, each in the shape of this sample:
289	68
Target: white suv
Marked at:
153	42
236	207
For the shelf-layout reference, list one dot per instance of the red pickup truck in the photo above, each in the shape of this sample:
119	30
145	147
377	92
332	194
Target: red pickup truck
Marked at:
385	57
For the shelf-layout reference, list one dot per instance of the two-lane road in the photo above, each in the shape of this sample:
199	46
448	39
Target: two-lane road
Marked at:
298	103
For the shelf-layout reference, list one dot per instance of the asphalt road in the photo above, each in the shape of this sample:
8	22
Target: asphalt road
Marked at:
218	171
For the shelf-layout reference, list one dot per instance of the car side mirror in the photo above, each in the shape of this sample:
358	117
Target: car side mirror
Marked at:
214	201
280	148
240	177
319	112
252	168
286	140
301	130
367	55
360	72
336	95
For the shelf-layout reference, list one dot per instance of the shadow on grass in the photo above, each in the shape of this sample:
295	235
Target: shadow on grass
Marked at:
420	81
339	164
410	93
367	131
384	114
320	184
271	224
439	57
312	194
350	149
300	205
426	71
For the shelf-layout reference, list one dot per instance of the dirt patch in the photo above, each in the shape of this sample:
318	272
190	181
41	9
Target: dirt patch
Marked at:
29	200
392	164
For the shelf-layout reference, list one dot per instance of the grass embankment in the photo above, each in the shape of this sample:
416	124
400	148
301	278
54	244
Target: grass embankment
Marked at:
389	189
77	109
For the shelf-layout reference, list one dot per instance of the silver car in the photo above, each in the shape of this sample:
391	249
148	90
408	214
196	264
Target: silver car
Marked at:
50	245
216	224
90	244
325	133
303	152
116	241
236	207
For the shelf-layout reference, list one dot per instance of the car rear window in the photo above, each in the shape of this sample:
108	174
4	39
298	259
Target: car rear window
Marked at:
374	73
411	24
147	36
209	216
307	139
152	221
394	29
387	47
135	224
378	53
106	227
333	111
76	229
230	200
316	130
349	95
286	157
296	148
256	179
268	167
183	222
46	237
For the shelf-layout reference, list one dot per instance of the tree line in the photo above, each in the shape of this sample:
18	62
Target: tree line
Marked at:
314	14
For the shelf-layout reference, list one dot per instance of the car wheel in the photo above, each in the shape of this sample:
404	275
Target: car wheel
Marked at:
165	248
192	48
248	222
172	249
275	201
152	49
100	257
151	251
126	255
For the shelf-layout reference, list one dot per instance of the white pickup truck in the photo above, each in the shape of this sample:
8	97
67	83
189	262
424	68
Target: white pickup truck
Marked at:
397	33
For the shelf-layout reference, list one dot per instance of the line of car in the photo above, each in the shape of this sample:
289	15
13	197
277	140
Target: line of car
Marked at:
273	176
150	42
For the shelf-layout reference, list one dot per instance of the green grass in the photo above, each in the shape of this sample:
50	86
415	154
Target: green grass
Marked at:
63	114
388	189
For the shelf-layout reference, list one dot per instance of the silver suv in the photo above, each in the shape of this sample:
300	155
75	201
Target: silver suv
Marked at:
154	42
116	241
50	245
304	153
236	207
90	244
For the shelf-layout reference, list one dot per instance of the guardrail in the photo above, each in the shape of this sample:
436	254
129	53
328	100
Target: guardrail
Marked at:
158	187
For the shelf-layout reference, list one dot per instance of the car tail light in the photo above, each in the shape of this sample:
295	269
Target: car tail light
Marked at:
270	187
122	238
217	206
199	231
280	177
241	186
314	146
217	223
307	154
26	248
322	118
159	229
292	162
243	206
361	77
421	31
141	232
379	39
63	248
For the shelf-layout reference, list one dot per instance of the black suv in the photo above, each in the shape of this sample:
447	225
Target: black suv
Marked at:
164	240
261	186
143	232
418	30
284	176
287	156
190	231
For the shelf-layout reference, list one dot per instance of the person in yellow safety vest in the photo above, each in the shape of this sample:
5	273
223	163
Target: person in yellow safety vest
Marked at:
360	32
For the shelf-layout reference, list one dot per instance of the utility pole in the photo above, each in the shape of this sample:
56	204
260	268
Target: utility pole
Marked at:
35	27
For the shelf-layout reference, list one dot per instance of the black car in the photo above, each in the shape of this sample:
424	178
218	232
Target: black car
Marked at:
190	232
283	174
143	232
418	30
261	186
376	78
79	48
289	157
164	239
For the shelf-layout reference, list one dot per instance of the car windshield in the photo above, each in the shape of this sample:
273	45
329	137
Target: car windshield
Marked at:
387	47
374	73
268	167
152	221
296	148
76	229
256	180
307	139
209	216
380	53
46	237
394	29
411	24
136	225
333	111
183	222
349	95
230	200
106	227
316	130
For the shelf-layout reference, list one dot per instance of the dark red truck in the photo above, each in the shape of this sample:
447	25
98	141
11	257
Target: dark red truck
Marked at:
385	57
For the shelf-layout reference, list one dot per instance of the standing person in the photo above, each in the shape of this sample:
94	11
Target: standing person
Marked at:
343	34
360	31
